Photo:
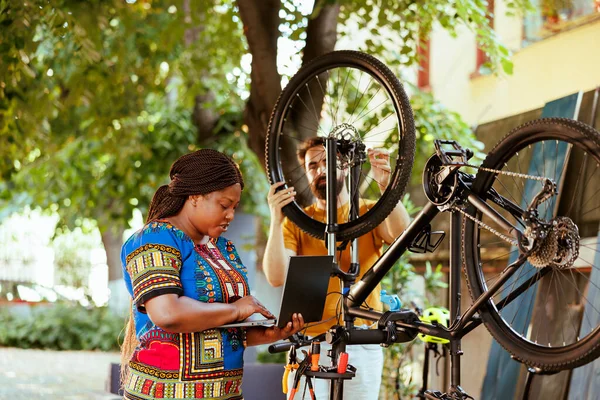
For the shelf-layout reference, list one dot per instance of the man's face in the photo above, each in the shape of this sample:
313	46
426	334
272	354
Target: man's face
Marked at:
316	168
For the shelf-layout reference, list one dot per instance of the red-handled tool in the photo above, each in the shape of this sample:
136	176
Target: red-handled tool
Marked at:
342	363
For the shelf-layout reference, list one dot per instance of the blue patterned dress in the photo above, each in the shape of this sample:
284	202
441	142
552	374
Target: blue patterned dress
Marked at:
161	259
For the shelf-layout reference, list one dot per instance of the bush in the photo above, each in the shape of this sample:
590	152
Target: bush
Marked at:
264	357
63	326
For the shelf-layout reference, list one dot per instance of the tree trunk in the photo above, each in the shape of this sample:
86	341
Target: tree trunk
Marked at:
205	118
261	27
112	239
321	33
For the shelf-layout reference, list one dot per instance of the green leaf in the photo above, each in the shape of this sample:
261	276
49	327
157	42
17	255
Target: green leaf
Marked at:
507	66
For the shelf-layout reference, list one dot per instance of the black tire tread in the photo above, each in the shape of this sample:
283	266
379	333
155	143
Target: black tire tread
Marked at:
382	209
513	345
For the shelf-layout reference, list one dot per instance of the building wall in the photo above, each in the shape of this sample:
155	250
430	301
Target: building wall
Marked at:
543	71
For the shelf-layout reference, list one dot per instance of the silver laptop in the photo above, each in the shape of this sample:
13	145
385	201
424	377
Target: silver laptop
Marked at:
304	292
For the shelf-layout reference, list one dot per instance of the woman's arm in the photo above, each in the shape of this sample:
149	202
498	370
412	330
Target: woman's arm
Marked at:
182	314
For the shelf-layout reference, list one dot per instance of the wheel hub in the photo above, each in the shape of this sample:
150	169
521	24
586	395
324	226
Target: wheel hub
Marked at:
350	147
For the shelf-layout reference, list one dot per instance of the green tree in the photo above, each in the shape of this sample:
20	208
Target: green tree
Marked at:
97	99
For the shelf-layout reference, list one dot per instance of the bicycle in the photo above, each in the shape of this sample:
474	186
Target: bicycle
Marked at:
513	205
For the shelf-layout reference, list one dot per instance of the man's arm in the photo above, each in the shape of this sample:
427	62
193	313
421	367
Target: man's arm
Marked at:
398	219
394	224
276	255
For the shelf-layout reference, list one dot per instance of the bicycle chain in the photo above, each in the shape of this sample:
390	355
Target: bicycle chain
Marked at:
509	173
484	225
502	236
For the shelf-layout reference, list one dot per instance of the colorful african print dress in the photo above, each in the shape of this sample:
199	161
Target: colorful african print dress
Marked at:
161	259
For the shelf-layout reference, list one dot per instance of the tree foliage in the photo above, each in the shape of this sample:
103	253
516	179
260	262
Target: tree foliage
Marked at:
398	28
99	97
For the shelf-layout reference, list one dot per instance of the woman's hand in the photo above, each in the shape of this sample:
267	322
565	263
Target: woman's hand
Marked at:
259	335
248	305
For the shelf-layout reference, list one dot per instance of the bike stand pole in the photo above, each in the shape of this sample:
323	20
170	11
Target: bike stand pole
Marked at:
530	374
421	394
455	391
455	296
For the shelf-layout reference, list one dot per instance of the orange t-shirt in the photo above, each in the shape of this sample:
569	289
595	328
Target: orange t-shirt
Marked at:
369	250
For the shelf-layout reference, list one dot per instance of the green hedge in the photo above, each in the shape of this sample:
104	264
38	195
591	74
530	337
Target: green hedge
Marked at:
62	326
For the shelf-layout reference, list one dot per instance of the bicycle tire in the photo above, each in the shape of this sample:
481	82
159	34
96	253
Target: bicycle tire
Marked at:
401	174
522	346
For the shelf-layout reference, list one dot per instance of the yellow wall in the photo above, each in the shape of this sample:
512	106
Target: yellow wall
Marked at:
546	70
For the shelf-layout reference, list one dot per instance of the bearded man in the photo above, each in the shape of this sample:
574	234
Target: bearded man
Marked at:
286	239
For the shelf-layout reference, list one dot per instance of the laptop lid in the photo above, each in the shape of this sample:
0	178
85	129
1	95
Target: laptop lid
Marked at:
305	288
304	292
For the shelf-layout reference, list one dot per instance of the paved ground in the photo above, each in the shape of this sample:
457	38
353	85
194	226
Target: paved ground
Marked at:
41	374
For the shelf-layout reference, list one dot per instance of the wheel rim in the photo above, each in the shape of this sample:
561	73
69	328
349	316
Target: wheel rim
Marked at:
344	100
562	308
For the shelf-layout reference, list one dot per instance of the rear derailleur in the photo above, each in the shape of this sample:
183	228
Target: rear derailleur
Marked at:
455	393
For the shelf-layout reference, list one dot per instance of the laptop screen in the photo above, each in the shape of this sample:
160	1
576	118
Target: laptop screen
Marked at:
305	288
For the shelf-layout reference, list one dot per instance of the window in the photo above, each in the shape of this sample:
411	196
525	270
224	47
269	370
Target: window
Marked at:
553	16
423	54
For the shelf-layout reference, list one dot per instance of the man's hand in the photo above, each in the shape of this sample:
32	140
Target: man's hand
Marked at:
277	200
380	167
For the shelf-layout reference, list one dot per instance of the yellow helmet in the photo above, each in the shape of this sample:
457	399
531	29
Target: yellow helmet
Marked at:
435	315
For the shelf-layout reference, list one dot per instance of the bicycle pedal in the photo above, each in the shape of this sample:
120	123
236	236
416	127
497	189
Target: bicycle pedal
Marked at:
434	394
437	395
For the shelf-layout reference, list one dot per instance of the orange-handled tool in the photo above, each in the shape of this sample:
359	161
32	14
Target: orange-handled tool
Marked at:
299	372
311	390
291	365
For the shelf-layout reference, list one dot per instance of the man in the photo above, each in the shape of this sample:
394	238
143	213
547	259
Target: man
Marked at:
286	239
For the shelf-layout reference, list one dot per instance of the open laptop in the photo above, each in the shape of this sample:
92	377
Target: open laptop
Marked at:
304	292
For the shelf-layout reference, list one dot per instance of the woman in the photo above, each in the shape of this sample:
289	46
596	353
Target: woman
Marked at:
185	280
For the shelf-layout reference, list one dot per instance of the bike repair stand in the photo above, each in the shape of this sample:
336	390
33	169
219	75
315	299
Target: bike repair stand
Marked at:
443	169
531	373
429	348
339	372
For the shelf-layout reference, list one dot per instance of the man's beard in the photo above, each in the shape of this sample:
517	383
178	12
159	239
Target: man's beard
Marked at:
319	187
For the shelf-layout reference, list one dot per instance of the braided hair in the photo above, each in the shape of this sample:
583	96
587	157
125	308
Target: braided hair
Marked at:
201	172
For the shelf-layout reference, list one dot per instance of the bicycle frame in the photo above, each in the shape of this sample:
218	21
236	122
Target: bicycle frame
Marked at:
461	324
407	322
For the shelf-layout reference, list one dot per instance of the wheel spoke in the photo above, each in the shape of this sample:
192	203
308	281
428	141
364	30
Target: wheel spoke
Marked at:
544	310
350	100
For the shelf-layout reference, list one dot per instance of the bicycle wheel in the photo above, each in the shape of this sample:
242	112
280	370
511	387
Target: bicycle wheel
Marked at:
352	96
547	314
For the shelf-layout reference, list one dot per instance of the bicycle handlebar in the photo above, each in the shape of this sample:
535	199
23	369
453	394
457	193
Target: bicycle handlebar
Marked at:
366	336
353	336
280	347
